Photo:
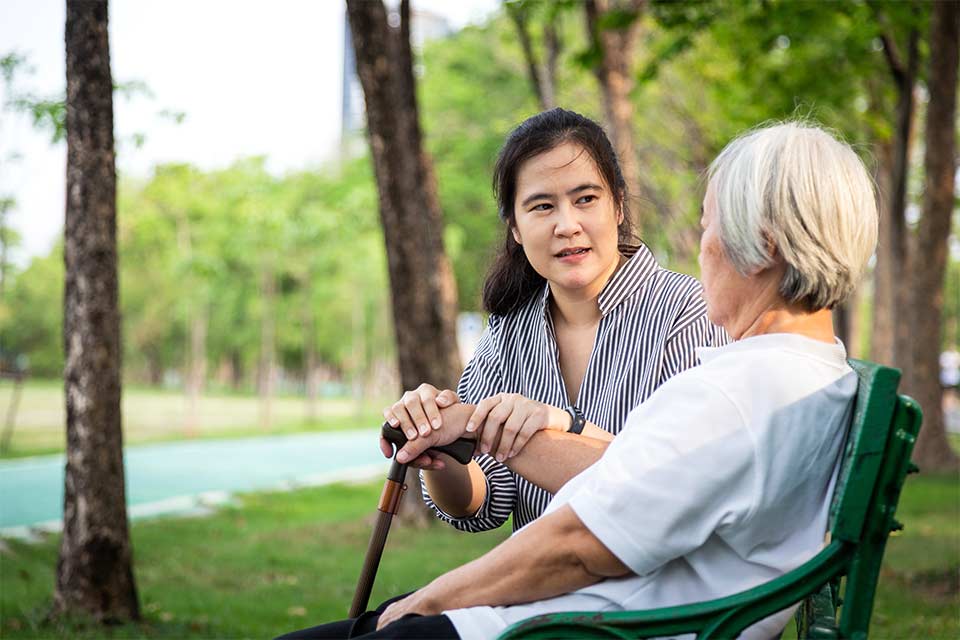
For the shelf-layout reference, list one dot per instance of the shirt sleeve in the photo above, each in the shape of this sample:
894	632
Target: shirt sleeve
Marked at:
481	379
691	330
683	468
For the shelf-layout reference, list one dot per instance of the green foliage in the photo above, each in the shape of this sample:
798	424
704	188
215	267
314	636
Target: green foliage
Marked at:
473	93
219	235
195	242
47	113
10	63
33	322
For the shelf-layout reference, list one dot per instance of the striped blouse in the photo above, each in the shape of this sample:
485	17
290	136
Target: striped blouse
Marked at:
651	322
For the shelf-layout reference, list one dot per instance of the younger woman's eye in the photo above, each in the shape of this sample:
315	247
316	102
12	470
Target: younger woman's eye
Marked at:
586	199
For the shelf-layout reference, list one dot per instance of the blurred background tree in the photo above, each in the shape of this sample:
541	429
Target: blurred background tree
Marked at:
95	565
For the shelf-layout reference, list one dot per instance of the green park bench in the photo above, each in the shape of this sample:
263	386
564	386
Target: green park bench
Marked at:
875	464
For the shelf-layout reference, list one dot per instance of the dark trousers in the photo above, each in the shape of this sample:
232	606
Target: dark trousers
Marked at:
365	626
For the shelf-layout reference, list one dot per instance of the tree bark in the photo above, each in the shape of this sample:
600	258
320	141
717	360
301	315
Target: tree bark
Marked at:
94	570
553	44
197	368
311	368
884	271
422	288
892	332
237	374
933	452
268	347
614	73
543	78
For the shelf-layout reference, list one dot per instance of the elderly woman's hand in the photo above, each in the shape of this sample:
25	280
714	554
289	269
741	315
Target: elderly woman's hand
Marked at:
418	602
417	411
415	452
508	420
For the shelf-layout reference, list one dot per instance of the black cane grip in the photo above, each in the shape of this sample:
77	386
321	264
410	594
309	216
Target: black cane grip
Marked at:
460	450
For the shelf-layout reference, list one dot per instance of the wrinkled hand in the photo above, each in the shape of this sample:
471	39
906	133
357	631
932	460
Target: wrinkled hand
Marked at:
454	426
417	411
418	602
512	419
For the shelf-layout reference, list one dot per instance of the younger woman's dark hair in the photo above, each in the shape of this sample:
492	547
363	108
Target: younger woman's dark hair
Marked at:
512	280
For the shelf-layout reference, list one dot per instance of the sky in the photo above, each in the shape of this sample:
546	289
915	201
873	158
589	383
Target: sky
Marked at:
252	77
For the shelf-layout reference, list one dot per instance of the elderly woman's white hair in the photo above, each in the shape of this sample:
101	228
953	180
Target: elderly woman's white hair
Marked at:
795	187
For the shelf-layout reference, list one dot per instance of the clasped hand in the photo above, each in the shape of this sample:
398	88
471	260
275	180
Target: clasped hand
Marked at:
501	424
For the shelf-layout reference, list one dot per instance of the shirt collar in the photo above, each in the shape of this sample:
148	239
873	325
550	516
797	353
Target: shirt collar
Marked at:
627	280
834	354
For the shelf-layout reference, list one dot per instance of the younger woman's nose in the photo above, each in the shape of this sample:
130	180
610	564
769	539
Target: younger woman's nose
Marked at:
567	223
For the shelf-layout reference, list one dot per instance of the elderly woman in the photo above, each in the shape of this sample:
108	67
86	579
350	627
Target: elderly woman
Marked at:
691	501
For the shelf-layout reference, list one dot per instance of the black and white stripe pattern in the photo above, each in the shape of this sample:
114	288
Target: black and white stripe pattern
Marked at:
652	320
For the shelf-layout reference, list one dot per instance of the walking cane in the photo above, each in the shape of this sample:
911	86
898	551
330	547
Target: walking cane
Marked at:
461	450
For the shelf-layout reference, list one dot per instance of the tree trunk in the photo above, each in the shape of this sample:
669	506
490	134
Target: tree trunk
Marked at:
552	42
841	325
268	294
933	452
154	366
542	78
311	369
891	290
197	368
94	570
423	291
884	271
854	333
237	373
358	354
4	241
614	73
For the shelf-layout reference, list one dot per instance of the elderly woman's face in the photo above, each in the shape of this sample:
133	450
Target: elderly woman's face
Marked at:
725	291
566	219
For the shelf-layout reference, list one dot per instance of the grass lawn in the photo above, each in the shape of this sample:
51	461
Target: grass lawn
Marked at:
282	561
153	415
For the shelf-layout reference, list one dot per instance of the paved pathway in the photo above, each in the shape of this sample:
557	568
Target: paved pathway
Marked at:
187	476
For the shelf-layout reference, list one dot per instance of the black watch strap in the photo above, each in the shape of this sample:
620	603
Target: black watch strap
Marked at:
577	420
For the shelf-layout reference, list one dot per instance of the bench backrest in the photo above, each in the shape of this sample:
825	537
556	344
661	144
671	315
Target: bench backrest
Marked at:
864	451
876	462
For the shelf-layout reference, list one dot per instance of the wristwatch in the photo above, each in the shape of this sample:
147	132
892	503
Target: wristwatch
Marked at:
577	421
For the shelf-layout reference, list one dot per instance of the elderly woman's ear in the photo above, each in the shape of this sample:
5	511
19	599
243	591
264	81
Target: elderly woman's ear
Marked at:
774	261
776	258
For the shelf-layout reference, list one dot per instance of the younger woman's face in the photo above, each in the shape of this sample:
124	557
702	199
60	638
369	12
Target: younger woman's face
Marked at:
566	220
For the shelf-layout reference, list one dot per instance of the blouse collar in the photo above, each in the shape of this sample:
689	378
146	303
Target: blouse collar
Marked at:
627	280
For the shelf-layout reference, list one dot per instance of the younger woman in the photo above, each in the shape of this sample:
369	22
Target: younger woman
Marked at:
584	325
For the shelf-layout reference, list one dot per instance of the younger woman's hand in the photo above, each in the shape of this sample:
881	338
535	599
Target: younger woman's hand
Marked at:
418	411
507	421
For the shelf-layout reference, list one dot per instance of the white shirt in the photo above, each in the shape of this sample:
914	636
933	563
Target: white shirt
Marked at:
719	482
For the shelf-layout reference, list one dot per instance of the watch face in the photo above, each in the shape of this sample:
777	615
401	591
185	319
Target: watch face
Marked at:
577	420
